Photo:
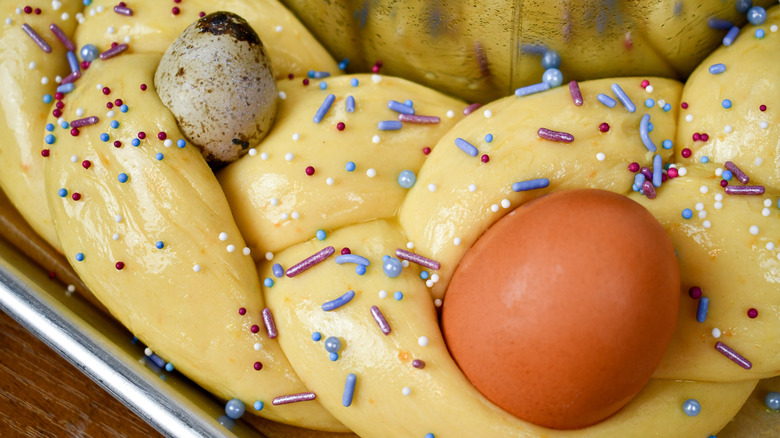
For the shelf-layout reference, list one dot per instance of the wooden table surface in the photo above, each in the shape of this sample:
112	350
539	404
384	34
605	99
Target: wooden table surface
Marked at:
42	395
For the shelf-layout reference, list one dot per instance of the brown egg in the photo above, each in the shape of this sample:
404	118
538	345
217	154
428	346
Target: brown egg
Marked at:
562	310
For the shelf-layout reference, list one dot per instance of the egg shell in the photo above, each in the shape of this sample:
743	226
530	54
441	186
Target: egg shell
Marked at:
563	309
217	79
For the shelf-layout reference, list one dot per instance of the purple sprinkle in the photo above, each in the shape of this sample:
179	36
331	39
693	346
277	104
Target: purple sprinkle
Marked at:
733	355
62	37
417	363
648	189
110	53
270	324
547	134
310	261
744	190
471	108
293	398
416	258
576	95
413	118
737	172
73	77
86	121
37	38
380	320
123	10
646	172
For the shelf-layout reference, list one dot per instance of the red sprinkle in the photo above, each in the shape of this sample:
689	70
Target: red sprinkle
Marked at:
57	112
175	10
310	170
76	196
345	250
45	153
695	292
118	102
120	266
305	81
85	65
258	366
162	135
633	167
52	274
485	158
705	137
290	76
202	14
74	132
684	105
686	153
340	126
59	96
645	83
696	136
672	172
426	150
242	311
752	313
109	105
106	91
417	363
117	144
37	11
604	127
255	328
27	10
723	183
142	135
375	69
60	104
86	163
114	44
143	87
762	108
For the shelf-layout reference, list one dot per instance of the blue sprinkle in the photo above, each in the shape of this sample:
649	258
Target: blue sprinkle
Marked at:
687	213
719	24
726	103
65	88
181	143
691	407
333	357
159	244
639	179
50	127
169	367
47	98
644	133
73	62
354	82
114	124
259	405
392	267
226	422
756	15
772	400
705	159
398	295
488	138
122	177
318	74
135	142
123	108
727	175
532	89
424	275
667	144
360	269
104	137
49	139
349	390
277	270
88	52
343	64
62	192
407	179
650	103
64	125
759	33
553	77
316	336
321	235
268	282
667	107
400	107
332	344
385	257
324	108
701	311
623	98
744	5
657	168
731	36
408	102
530	184
350	104
323	85
717	69
466	147
551	59
650	127
352	258
429	435
80	257
159	156
389	125
338	302
606	100
350	166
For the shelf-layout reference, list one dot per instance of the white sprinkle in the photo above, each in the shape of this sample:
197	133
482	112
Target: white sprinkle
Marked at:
110	114
92	12
649	88
376	78
99	87
148	351
409	245
753	230
766	212
405	263
773	28
168	143
371	173
58	79
435	278
100	11
423	341
9	21
196	268
429	283
258	346
778	256
682	171
71	288
65	16
689	118
289	156
329	181
716	333
472	188
661	103
758	161
450	114
252	152
727	129
278	29
32	65
285	216
296	136
488	114
118	218
274	201
718	205
767	202
763	124
18	11
505	203
770	246
706	224
718	171
44	80
437	302
263	155
699	206
282	95
383	294
115	236
375	139
110	30
74	158
295	215
432	187
702	214
127	39
406	390
600	156
223	236
269	255
494	208
246	251
718	196
456	241
231	248
704	189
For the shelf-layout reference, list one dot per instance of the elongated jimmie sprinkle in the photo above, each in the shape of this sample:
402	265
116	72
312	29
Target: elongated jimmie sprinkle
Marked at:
466	147
71	77
532	89
270	323
73	62
744	190
644	133
69	46
349	390
389	125
737	172
731	36
116	50
157	360
471	108
86	121
293	398
380	320
123	10
417	258
36	38
531	184
400	107
606	100
657	170
338	302
423	120
576	95
310	261
648	190
324	108
733	355
548	134
623	98
701	310
350	104
716	69
352	258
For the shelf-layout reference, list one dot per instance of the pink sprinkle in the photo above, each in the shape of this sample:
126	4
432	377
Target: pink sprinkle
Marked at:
86	164
576	94
113	51
293	398
733	355
557	136
380	320
45	153
86	121
201	14
375	69
471	108
36	38
696	136
123	10
694	292
414	118
762	108
258	366
255	328
118	102
426	150
85	65
416	258
744	190
74	132
143	87
672	172
345	250
162	136
242	311
142	135
119	266
686	153
37	11
645	83
633	167
604	127
60	105
340	126
485	158
752	313
62	37
106	91
270	324
417	363
310	170
737	172
310	261
648	190
76	196
684	105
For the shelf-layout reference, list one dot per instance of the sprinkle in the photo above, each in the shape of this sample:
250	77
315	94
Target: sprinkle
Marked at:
576	95
350	104
407	391
644	133
733	355
691	407
657	170
731	36
400	107
471	108
752	313
701	310
338	302
349	390
424	120
419	364
352	258
719	24
65	88
270	324
717	69
324	108
72	77
310	261
380	320
389	125
737	172
422	341
258	366
623	98
532	89
293	398
110	53
530	184
744	190
466	147
86	121
62	37
547	134
606	100
36	38
648	190
318	74
416	258
123	10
